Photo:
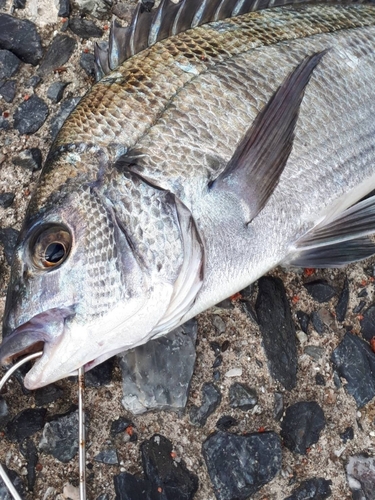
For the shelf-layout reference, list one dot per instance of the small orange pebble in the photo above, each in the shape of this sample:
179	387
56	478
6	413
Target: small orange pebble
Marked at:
61	69
372	344
372	279
2	434
105	27
63	19
129	430
38	467
236	296
309	271
295	299
26	192
86	50
360	317
173	454
26	97
160	490
6	114
308	450
363	282
262	429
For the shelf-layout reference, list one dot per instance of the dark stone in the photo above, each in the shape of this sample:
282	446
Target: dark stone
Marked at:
8	238
29	158
30	115
25	424
225	304
6	199
8	90
60	437
241	396
219	324
87	63
347	435
4	124
362	293
302	425
56	91
316	488
215	346
342	303
147	371
58	53
249	311
358	308
29	451
355	361
362	469
317	322
19	4
4	413
33	81
64	8
225	345
368	323
246	293
240	465
278	331
66	108
278	409
211	399
101	374
218	361
17	483
319	379
129	487
120	425
108	456
226	422
216	375
314	351
85	28
304	320
320	290
20	36
9	64
48	394
103	496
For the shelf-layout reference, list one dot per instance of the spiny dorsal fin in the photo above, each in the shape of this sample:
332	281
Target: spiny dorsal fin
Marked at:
169	18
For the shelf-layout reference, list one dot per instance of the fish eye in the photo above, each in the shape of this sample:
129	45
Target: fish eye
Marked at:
51	247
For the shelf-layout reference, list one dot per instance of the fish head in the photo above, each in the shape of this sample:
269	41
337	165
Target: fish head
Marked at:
77	289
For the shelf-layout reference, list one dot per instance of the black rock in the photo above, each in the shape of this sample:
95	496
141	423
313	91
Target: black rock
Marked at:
278	409
342	304
4	413
9	64
48	394
17	483
218	361
20	36
29	158
317	322
226	422
19	4
29	451
320	290
368	323
216	375
358	308
96	8
347	435
278	331
312	489
361	470
8	90
314	351
101	374
129	487
8	238
362	293
64	8
103	496
4	123
87	63
66	108
6	199
25	424
58	53
30	115
302	425
319	379
355	361
304	320
120	425
240	465
85	28
56	91
60	437
108	456
211	399
241	396
215	346
33	81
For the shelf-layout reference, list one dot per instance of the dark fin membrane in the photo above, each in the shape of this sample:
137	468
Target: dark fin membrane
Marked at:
149	27
340	241
255	168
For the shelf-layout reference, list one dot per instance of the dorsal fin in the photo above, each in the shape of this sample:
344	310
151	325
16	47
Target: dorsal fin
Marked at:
169	18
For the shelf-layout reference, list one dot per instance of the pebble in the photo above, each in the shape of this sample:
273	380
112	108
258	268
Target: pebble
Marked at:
234	372
211	398
30	115
58	53
66	108
320	380
29	158
304	320
103	496
317	322
315	352
9	64
225	304
108	456
355	361
33	81
362	293
64	8
278	330
218	361
97	8
6	199
302	337
249	311
368	323
21	37
361	470
4	124
87	63
320	290
17	483
301	426
100	375
84	28
48	394
226	422
316	488
241	396
342	303
120	425
358	308
8	90
219	324
60	437
4	413
25	424
29	451
239	465
56	91
8	239
278	408
347	435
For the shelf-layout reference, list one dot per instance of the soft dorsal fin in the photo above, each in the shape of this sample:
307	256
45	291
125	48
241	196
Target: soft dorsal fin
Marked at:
150	26
254	170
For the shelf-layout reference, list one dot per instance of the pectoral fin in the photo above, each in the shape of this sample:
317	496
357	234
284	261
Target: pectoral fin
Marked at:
259	160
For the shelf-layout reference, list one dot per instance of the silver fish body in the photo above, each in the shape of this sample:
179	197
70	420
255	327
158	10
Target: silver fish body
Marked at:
196	166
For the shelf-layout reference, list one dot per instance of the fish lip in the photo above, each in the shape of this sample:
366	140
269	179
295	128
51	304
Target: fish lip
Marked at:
32	335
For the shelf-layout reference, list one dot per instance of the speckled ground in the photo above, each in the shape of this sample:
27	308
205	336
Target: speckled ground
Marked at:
325	459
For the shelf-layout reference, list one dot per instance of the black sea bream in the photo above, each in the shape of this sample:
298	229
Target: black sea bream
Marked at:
221	141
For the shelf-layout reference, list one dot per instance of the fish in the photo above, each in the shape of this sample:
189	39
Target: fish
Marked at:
222	139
